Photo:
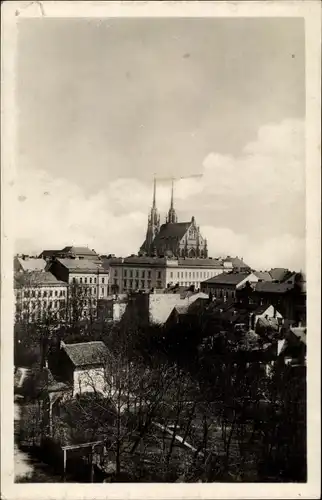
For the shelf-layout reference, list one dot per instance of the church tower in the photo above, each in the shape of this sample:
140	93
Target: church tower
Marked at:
153	225
172	216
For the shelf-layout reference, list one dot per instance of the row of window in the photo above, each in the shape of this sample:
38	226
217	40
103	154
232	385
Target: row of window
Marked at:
193	274
43	304
136	274
90	291
139	284
85	281
43	293
40	315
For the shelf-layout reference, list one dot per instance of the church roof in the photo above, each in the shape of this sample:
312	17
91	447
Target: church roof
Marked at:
171	231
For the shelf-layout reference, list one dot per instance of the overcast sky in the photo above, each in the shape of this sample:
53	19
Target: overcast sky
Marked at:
105	104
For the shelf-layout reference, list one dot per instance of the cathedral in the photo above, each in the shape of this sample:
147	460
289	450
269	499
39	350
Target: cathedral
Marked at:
172	239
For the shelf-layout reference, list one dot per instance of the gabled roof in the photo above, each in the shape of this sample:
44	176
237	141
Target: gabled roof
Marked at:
29	264
87	353
79	251
279	273
37	278
236	262
171	231
300	333
263	275
227	278
81	265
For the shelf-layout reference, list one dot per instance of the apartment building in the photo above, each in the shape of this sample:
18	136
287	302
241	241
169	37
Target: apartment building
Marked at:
147	273
87	280
39	295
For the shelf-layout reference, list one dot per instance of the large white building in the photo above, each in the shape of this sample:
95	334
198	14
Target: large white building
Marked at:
146	273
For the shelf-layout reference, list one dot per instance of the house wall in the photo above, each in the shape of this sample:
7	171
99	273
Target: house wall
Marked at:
34	302
161	305
88	380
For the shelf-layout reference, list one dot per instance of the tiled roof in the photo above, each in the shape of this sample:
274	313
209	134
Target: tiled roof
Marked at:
279	273
87	353
38	278
169	231
300	333
263	275
82	265
181	309
79	251
187	262
30	264
236	262
271	287
227	278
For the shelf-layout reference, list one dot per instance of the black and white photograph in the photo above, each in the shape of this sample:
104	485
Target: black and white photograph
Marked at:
160	260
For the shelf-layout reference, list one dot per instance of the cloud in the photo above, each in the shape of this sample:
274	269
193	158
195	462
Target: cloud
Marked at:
251	205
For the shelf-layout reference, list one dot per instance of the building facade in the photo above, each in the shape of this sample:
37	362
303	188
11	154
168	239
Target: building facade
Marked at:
147	273
88	282
39	295
225	285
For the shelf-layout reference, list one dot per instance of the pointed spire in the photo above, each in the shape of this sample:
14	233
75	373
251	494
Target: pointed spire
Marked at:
172	216
171	204
154	191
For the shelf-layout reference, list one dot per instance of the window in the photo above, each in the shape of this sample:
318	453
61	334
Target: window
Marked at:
159	284
189	275
131	284
33	293
115	272
81	280
136	283
85	303
182	275
85	280
171	274
50	293
149	283
159	275
143	274
193	275
91	280
186	274
197	274
94	280
125	273
103	279
74	280
136	274
102	290
56	293
50	304
125	283
149	274
56	303
94	291
131	274
142	284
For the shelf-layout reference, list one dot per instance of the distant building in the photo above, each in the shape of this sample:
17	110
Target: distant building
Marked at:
81	366
39	295
237	264
172	239
225	285
88	278
71	252
27	264
155	308
146	273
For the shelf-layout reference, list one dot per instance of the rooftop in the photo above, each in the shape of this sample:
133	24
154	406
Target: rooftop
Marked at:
83	265
236	262
263	275
232	278
87	353
37	278
174	231
29	264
